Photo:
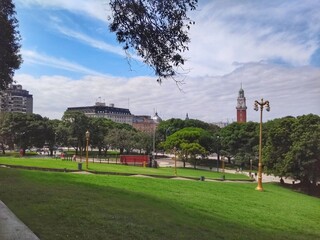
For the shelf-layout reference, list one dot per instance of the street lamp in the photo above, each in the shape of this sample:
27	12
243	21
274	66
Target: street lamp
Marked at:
218	154
175	161
256	108
156	120
87	146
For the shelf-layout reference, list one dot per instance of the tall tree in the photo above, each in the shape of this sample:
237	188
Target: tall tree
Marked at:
121	139
76	124
240	141
10	58
99	128
157	30
189	142
293	148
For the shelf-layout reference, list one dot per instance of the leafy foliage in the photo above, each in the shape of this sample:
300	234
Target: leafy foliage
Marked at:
293	148
240	141
10	58
157	30
189	142
24	130
170	126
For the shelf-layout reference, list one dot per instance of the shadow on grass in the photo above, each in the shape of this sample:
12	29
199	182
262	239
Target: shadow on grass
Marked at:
311	190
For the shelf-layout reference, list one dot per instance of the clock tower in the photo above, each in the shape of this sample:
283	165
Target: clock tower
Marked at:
241	107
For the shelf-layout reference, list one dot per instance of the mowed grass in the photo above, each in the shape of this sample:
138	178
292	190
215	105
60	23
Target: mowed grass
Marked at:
117	168
78	206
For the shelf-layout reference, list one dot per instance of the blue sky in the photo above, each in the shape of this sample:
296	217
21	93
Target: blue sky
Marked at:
271	47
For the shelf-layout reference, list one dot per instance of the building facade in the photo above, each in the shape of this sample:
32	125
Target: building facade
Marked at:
119	115
143	123
146	124
241	107
16	99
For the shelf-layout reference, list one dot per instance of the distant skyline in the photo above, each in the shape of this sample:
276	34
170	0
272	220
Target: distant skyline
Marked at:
271	47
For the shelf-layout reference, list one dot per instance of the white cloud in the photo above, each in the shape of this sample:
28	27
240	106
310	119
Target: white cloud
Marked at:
92	42
98	9
291	91
246	31
34	57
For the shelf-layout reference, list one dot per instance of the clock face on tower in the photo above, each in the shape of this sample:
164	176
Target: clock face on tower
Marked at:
241	103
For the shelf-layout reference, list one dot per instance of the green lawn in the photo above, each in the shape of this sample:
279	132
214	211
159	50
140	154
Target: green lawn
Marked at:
117	168
77	206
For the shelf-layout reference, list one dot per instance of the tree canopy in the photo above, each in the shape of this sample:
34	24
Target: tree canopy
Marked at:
189	142
10	58
293	148
157	30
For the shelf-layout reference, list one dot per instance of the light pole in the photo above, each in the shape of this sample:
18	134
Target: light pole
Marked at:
250	168
218	154
256	108
222	163
156	119
175	161
87	146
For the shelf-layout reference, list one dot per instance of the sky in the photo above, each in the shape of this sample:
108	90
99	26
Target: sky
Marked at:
270	47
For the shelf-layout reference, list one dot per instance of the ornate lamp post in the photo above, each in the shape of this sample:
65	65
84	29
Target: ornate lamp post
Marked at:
87	146
256	108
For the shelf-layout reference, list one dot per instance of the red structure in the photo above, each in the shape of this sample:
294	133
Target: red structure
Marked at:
141	160
241	107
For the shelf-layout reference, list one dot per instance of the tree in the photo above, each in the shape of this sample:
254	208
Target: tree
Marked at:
189	142
168	127
121	139
10	58
293	148
99	128
142	141
51	133
75	124
157	30
192	149
24	130
277	145
240	141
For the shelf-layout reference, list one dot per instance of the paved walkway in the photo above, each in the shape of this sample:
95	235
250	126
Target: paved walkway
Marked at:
11	228
168	162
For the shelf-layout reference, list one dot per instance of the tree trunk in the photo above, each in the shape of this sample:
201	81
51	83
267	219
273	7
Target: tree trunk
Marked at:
3	150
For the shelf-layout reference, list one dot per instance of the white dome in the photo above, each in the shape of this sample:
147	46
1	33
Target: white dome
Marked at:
156	118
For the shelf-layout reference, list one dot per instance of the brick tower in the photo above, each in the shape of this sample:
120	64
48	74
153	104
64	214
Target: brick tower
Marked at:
241	107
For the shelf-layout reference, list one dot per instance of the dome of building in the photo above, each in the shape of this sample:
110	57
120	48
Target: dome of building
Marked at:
156	118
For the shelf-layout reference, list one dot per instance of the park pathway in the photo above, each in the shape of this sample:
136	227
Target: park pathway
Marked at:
11	228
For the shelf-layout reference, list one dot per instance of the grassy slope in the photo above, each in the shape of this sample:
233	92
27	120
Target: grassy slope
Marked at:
57	163
72	206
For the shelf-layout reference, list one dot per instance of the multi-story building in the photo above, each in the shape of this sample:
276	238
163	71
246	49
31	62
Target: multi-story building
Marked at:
145	123
241	107
119	115
16	99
